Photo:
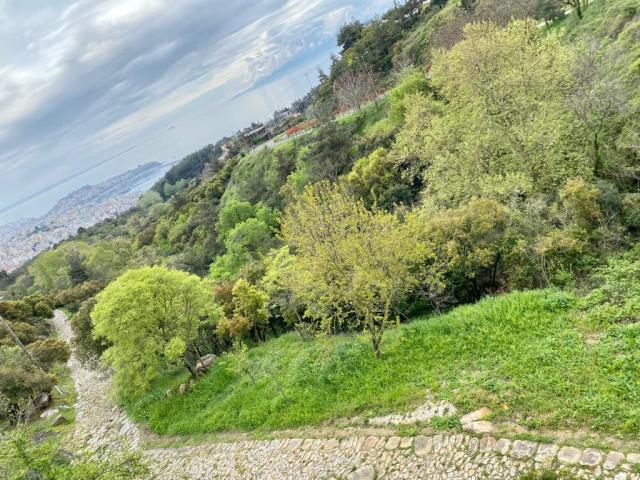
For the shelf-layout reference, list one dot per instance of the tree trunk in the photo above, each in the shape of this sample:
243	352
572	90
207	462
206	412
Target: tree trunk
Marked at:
190	368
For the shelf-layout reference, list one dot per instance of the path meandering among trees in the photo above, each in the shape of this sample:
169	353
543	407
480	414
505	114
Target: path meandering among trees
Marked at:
102	427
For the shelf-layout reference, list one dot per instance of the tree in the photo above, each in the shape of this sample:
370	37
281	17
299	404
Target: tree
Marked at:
577	5
354	267
499	117
20	382
77	268
22	458
152	317
354	88
349	34
87	348
49	352
251	303
473	245
150	198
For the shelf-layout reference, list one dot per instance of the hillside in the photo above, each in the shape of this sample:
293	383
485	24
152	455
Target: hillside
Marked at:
20	241
454	230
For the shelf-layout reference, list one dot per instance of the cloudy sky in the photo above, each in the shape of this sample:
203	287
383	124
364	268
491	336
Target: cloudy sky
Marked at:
89	88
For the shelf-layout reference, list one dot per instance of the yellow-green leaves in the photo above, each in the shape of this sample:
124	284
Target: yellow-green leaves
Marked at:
151	316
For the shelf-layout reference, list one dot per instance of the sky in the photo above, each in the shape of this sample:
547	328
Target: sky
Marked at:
101	86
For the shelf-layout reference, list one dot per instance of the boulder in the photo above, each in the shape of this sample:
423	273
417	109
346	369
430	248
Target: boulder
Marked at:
42	401
475	416
184	388
52	412
59	421
478	427
205	362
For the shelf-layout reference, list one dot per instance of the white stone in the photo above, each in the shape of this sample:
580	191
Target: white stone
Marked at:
569	455
613	460
522	449
366	472
546	453
478	427
475	416
422	445
591	457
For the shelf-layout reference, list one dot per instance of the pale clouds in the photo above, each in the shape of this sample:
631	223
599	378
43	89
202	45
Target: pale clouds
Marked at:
83	81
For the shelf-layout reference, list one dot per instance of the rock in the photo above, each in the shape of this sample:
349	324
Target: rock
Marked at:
546	453
569	455
205	362
392	443
406	442
370	443
42	401
475	416
478	427
168	393
487	444
422	445
613	460
184	388
620	476
365	472
522	449
633	458
59	421
331	444
591	457
502	446
49	413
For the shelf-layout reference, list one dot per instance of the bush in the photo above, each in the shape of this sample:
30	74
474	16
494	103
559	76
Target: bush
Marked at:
617	298
49	352
22	458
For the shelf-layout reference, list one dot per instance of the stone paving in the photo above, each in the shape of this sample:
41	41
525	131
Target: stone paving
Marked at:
102	427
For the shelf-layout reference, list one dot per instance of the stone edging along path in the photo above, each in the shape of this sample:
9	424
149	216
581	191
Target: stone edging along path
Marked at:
103	427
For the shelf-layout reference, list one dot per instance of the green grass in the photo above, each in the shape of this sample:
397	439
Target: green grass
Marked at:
521	354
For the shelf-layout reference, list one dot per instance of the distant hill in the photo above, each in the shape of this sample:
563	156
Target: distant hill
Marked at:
24	239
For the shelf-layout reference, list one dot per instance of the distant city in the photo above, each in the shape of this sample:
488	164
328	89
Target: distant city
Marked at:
22	240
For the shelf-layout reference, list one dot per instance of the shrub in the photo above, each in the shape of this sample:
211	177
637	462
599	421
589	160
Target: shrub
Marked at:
49	352
617	298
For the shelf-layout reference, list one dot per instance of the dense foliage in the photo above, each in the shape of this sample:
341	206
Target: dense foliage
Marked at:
504	155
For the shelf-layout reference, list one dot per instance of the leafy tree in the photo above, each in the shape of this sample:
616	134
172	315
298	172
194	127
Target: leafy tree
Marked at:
331	154
352	264
152	317
20	382
86	346
349	34
499	118
474	245
251	303
49	352
150	198
22	458
377	181
77	269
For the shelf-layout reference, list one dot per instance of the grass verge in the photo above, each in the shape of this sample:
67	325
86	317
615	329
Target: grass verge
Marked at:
522	354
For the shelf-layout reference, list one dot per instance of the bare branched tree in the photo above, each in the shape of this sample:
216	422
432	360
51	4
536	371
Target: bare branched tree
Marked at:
354	88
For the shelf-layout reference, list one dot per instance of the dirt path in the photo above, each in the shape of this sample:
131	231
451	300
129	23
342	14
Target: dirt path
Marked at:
102	427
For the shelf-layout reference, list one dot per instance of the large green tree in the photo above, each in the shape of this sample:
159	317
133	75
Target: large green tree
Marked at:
152	317
502	109
352	265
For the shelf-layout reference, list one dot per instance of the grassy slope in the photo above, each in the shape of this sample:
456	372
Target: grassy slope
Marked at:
523	351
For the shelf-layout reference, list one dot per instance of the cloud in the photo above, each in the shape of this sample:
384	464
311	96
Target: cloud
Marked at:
82	79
